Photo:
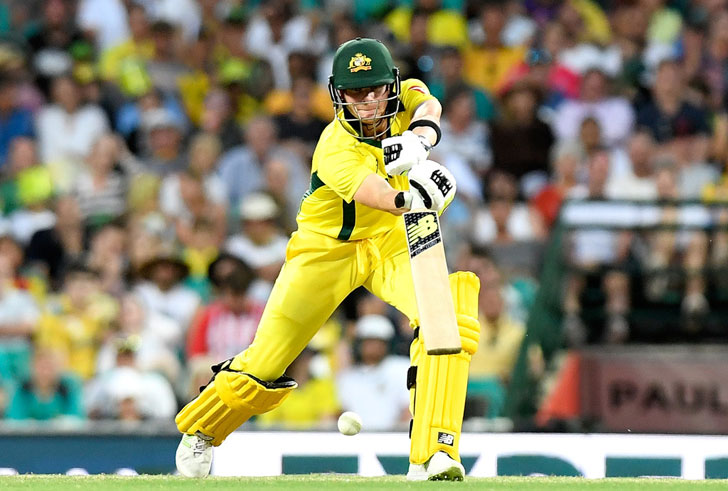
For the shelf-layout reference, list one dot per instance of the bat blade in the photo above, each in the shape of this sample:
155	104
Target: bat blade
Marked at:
438	324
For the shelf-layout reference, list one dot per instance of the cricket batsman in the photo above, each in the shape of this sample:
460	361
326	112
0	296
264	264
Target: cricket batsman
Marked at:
369	165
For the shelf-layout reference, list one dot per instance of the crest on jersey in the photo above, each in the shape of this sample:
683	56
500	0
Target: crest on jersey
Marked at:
359	62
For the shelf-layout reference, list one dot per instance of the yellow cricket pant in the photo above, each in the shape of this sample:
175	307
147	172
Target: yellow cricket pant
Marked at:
319	273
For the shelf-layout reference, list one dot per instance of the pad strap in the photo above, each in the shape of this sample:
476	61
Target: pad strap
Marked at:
229	400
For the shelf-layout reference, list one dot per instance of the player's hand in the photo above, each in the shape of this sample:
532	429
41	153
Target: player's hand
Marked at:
433	183
404	151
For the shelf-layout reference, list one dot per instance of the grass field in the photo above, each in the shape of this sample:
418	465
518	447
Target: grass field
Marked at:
339	481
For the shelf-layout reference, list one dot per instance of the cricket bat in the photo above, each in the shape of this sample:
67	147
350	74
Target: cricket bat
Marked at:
438	325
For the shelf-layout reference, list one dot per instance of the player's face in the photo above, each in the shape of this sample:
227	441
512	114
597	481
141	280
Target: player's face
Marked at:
368	102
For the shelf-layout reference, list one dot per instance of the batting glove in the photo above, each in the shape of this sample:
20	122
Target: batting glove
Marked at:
433	183
404	151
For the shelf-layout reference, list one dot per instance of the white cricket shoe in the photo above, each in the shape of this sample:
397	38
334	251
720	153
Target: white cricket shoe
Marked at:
440	467
417	472
194	455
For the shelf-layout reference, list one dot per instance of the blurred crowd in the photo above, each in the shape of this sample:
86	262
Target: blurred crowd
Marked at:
153	154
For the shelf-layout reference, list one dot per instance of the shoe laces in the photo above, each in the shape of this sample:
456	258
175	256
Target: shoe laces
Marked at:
200	444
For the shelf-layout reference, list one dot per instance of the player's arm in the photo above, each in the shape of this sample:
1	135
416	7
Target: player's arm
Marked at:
413	146
429	110
375	192
432	186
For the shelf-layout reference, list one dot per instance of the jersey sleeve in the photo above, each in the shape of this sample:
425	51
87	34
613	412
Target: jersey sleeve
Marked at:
344	172
414	93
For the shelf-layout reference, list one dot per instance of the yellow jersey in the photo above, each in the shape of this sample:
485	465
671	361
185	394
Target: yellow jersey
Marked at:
340	164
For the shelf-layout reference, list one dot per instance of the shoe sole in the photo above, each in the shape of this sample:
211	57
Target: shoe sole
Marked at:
453	473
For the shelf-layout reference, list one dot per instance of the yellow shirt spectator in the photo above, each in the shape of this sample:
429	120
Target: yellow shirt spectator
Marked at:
500	342
444	27
281	102
113	59
487	67
77	333
193	88
596	24
306	408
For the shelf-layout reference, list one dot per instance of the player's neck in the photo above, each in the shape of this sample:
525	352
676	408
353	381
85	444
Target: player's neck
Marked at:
370	130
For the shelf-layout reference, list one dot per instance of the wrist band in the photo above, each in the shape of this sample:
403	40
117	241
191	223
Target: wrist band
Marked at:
399	200
427	122
403	200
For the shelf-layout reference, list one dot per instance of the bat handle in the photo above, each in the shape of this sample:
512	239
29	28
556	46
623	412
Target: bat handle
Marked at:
417	203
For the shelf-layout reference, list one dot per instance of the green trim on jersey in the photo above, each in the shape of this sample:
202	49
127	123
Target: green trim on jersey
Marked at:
348	220
316	183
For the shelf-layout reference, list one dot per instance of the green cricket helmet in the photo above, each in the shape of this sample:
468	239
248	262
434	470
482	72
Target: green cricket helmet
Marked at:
359	63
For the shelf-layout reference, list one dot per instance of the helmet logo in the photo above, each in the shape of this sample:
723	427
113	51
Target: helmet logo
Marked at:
359	62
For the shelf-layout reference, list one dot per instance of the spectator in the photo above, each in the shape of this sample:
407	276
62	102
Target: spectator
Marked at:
502	220
301	66
165	67
185	15
313	405
500	342
375	386
35	190
226	326
54	248
162	290
679	127
67	129
597	252
76	321
217	118
165	150
543	68
104	21
126	393
50	393
196	84
139	45
450	80
566	167
417	58
667	247
51	39
155	339
107	255
441	26
204	152
300	128
19	314
276	31
521	123
243	168
198	211
638	182
14	120
142	104
235	63
669	116
21	157
260	243
614	114
487	65
101	188
465	147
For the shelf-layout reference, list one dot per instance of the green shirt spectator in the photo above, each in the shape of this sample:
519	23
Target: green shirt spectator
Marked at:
48	393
